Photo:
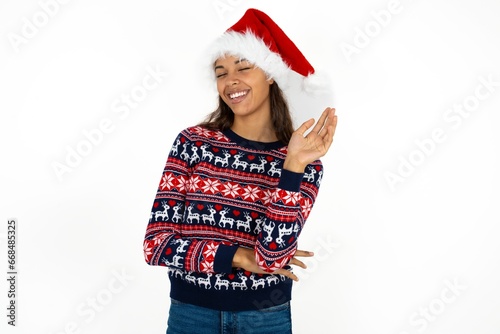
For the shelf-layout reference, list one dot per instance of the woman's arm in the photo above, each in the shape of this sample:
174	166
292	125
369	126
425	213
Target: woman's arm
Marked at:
164	244
295	195
245	258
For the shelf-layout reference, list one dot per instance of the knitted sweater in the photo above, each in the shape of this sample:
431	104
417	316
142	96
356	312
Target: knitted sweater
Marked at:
218	192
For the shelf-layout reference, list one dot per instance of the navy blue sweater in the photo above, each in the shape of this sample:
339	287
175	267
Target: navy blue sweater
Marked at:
219	191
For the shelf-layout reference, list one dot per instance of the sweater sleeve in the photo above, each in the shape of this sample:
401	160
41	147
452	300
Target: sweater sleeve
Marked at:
164	243
291	203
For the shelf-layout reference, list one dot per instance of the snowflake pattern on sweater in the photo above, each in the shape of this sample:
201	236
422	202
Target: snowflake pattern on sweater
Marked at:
219	192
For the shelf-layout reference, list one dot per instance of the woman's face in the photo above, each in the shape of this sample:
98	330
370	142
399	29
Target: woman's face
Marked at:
244	87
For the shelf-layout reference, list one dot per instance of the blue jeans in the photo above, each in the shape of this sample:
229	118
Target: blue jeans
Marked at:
190	319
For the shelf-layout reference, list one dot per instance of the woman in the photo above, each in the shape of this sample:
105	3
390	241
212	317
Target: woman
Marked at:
236	191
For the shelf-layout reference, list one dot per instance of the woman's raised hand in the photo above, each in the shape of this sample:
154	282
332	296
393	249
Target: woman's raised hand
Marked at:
304	149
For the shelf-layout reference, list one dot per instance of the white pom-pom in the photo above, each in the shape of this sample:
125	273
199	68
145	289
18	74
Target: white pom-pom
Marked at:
317	83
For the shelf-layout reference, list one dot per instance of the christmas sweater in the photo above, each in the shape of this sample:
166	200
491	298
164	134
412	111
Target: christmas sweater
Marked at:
219	191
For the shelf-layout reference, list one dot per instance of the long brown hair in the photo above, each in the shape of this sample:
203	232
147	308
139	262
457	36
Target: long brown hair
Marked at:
222	118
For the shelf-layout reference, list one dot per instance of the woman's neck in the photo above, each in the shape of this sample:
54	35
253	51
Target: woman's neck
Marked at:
257	131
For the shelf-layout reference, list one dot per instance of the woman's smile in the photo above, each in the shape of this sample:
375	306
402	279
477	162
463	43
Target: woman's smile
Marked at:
238	96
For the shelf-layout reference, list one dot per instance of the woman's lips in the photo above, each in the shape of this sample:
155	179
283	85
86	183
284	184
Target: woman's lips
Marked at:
237	97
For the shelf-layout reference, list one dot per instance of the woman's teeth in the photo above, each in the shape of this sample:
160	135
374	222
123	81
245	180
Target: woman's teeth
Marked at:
237	94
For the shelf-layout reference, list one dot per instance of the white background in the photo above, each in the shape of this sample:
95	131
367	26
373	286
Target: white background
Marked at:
386	255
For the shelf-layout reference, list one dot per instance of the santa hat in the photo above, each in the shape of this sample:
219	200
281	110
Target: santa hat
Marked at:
258	39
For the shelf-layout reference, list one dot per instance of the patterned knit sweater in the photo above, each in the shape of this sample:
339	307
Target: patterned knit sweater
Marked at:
218	192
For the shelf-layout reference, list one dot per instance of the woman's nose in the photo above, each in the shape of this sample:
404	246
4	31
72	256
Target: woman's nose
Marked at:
231	80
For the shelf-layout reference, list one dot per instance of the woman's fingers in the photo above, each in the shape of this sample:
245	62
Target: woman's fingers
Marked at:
323	120
300	253
288	274
322	123
331	130
305	126
304	253
328	131
330	122
296	262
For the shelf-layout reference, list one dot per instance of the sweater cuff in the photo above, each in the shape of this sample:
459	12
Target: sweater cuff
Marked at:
290	181
223	261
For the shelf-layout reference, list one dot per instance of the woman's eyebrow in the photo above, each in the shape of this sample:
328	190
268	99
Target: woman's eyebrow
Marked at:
237	61
240	60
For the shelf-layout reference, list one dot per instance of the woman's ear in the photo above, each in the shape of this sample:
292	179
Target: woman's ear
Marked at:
270	81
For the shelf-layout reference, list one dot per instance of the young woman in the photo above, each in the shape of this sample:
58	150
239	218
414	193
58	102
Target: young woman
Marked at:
236	191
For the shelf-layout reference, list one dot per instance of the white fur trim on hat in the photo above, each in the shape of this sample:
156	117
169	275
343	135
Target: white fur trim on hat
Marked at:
253	49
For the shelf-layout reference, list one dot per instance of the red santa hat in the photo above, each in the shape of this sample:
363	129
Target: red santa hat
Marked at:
257	38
